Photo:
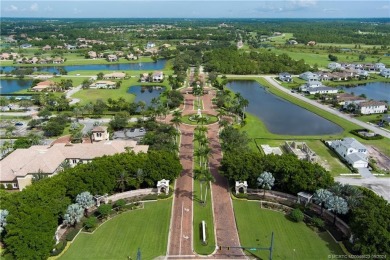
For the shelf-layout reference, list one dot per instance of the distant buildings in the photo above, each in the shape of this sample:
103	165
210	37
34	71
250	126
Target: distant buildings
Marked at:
103	84
285	77
309	76
150	45
114	75
43	86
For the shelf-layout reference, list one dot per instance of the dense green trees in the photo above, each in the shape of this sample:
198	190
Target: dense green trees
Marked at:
35	212
232	61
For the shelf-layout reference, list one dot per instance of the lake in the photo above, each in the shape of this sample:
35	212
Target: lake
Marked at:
279	115
375	90
9	86
145	93
158	65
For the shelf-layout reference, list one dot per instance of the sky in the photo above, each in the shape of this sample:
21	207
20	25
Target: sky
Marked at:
196	9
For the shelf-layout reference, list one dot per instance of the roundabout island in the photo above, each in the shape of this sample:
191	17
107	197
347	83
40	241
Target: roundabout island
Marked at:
199	119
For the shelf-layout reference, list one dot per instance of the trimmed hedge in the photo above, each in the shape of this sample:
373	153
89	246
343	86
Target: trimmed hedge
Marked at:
356	132
72	234
59	248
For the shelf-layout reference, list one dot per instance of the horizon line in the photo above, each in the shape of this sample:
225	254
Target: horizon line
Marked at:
245	18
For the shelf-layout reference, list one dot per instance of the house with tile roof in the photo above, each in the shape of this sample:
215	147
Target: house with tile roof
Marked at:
372	107
19	167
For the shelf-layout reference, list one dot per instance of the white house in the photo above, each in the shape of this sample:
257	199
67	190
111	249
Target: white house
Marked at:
372	107
150	45
352	151
112	57
385	73
285	77
103	84
25	46
334	66
158	76
309	76
379	66
310	84
322	90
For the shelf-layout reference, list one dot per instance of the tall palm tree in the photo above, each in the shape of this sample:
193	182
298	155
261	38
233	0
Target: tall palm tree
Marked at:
122	180
202	120
176	121
244	103
204	176
177	113
321	196
266	180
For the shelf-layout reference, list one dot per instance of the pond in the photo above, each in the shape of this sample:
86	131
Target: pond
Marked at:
8	86
375	90
145	93
158	65
279	115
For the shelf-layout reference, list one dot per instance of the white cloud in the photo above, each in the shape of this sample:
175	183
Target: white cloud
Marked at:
76	11
385	7
48	9
34	7
11	8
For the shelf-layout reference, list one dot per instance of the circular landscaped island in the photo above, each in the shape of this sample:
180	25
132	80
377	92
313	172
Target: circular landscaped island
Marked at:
195	119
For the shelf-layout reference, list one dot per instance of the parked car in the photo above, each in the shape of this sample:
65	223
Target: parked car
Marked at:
18	124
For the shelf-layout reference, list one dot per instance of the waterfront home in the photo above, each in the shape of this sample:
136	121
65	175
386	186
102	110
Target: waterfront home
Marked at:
131	57
352	151
71	47
334	66
285	77
58	60
321	90
379	66
385	73
112	57
44	86
19	172
309	76
144	77
310	84
114	75
92	54
157	76
103	84
345	99
372	107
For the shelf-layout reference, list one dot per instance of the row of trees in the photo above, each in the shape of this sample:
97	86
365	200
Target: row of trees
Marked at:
37	210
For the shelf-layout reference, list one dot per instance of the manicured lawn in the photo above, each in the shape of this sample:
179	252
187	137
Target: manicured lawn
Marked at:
291	240
121	236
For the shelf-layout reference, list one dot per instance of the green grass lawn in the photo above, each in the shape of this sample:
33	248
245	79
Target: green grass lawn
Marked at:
291	240
121	237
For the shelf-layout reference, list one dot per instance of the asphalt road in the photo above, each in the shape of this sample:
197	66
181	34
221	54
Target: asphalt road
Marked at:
380	186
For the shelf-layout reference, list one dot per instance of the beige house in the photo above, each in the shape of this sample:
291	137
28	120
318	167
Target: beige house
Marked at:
18	168
112	57
46	48
99	133
114	75
92	54
43	86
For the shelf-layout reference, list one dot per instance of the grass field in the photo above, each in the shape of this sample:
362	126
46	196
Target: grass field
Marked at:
291	240
121	237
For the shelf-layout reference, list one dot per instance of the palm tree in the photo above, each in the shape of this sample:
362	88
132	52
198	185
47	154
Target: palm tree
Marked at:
177	113
122	180
321	196
176	121
244	103
266	180
204	152
203	176
201	129
337	205
208	177
202	120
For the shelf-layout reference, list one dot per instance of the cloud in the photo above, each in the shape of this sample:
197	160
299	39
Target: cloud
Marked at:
11	8
331	10
34	7
384	7
76	11
285	6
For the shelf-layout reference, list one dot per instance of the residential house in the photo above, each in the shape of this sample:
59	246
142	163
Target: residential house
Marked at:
372	107
379	66
285	77
58	60
334	66
369	67
46	48
25	46
114	75
157	76
112	57
17	168
321	90
310	84
92	54
131	57
150	45
103	84
311	43
71	47
344	99
352	151
144	77
43	86
99	133
362	73
385	73
301	150
292	42
309	76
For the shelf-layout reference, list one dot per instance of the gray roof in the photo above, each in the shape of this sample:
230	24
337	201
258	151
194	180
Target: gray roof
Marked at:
319	88
351	142
355	157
